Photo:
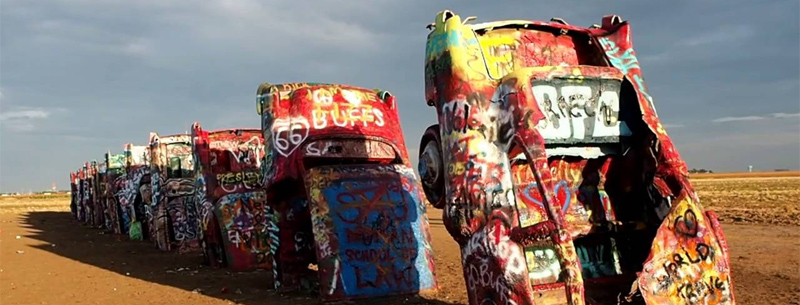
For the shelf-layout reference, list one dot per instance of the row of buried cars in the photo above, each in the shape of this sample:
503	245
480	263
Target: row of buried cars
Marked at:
554	174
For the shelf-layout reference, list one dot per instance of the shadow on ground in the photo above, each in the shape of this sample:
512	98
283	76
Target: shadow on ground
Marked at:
141	260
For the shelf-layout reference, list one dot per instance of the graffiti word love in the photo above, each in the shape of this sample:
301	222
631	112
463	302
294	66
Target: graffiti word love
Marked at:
686	224
325	96
386	276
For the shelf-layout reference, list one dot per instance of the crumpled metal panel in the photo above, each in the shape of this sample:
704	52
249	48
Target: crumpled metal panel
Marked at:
538	89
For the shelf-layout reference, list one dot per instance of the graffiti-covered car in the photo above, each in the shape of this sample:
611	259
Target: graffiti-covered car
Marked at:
173	220
86	194
100	188
237	227
95	198
337	173
73	186
554	173
135	194
115	180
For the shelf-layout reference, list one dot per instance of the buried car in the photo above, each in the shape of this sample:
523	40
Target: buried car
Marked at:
236	225
173	219
134	195
115	181
554	173
337	173
73	186
96	198
87	198
99	189
81	193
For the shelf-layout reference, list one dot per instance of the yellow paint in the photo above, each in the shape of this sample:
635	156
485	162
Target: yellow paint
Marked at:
669	246
498	49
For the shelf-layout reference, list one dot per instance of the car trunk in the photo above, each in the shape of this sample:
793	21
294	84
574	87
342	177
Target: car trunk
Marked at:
370	229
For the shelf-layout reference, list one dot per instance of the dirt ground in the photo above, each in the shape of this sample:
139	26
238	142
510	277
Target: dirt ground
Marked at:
46	257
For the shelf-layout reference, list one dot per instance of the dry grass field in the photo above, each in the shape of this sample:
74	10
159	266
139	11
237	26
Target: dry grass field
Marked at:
754	198
757	198
50	258
35	203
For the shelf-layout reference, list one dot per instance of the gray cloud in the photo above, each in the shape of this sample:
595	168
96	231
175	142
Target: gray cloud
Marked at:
786	115
108	72
736	119
779	115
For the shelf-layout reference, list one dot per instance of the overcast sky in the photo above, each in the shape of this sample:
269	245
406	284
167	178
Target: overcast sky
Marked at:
84	76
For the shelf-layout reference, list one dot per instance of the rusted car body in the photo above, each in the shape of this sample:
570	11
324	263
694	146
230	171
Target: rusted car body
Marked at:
135	195
173	216
115	181
556	177
337	174
236	224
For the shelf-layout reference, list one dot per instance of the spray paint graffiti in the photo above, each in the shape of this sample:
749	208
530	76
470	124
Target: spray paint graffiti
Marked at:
238	228
293	113
587	112
532	121
377	218
325	123
686	264
174	223
357	111
249	229
73	202
128	195
116	183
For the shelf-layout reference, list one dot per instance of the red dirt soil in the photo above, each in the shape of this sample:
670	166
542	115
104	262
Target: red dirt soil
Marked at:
58	261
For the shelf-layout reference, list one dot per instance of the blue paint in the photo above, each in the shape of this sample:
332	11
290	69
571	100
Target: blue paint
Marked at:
640	84
126	221
533	186
626	62
378	223
450	39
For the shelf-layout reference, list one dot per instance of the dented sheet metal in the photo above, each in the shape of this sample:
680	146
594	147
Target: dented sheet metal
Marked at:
173	214
238	227
384	250
555	174
371	232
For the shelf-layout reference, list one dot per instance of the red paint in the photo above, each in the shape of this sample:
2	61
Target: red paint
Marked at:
502	89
